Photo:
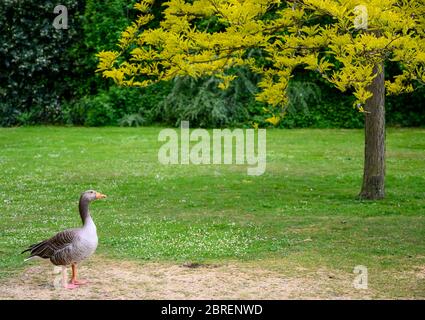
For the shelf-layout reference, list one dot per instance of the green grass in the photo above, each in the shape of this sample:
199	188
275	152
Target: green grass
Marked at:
303	211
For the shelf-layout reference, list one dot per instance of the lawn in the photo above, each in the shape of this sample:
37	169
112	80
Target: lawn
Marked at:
301	213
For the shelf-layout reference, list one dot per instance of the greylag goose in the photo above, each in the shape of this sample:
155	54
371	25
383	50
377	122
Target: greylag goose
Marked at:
71	246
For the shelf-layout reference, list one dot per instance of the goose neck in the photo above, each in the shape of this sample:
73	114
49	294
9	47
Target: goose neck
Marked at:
84	210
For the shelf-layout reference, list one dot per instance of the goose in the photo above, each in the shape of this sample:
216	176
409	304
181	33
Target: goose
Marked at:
71	246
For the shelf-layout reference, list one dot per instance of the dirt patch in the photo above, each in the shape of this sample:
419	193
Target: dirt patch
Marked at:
420	272
111	279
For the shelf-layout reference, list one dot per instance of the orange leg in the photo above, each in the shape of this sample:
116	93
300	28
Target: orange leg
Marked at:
64	280
74	280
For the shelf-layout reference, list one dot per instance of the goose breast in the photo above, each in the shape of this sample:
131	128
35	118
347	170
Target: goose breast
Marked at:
85	246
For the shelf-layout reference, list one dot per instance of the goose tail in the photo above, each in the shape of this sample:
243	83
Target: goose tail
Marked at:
30	258
36	249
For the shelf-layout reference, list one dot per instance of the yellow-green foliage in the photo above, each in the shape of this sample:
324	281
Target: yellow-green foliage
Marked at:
343	40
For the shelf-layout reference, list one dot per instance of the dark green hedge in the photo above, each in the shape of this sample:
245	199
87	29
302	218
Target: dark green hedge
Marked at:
35	66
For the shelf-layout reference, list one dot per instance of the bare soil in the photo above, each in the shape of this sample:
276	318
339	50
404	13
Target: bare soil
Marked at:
112	279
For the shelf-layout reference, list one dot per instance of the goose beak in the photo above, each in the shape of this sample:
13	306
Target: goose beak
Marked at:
100	195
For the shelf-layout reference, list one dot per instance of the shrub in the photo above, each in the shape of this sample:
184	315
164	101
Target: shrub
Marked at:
201	102
90	111
319	107
101	24
116	106
34	63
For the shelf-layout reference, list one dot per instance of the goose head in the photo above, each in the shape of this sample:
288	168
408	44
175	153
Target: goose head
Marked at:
91	195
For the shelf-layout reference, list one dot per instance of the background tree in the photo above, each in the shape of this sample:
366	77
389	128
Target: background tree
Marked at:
346	41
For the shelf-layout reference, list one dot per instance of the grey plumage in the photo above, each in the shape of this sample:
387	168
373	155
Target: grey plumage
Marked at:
64	248
72	245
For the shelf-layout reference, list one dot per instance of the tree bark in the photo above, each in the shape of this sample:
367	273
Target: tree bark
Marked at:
373	187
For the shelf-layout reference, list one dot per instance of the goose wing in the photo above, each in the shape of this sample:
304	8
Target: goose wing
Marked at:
50	247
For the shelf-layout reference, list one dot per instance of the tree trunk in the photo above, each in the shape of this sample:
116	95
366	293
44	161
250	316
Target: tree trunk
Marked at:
374	154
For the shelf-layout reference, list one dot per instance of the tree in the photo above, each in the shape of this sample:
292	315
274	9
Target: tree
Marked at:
346	41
